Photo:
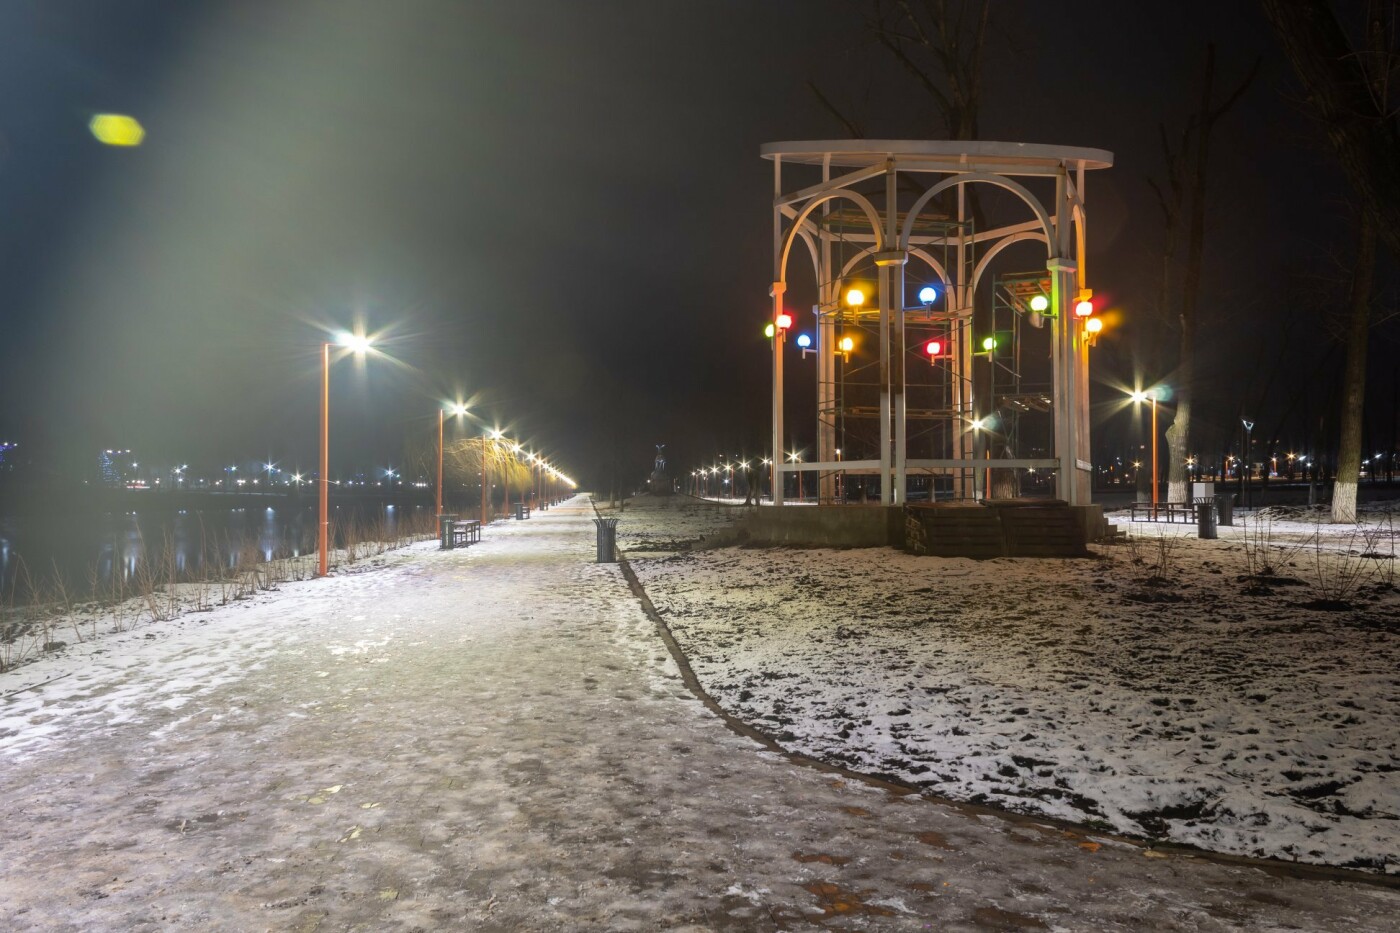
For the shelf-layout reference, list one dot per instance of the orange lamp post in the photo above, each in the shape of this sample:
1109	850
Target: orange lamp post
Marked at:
360	345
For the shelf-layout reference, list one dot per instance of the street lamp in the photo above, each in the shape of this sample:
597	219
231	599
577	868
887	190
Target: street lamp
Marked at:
359	345
458	410
797	458
1244	461
1139	397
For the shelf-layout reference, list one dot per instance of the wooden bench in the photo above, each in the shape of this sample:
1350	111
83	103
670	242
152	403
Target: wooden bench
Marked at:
465	533
1164	511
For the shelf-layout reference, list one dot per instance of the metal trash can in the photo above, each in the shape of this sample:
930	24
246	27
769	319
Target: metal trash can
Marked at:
520	511
1205	518
445	531
1225	504
607	539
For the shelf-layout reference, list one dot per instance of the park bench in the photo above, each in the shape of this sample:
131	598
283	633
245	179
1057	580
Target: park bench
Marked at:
1164	511
465	533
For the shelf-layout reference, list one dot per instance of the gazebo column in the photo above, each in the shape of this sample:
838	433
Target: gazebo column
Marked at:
891	265
826	401
778	335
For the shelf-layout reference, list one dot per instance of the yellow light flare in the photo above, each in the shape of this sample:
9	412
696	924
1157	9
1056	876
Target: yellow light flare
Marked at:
116	129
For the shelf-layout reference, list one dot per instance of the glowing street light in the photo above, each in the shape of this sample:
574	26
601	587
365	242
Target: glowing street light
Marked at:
358	344
1040	304
928	295
458	409
1140	397
797	458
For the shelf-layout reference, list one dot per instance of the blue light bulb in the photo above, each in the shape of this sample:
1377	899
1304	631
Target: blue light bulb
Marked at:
804	341
928	294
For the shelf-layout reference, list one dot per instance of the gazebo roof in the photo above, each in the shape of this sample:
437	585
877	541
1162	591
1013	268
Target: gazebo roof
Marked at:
854	153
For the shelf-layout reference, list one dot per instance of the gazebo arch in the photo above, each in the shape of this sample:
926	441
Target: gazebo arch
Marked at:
889	227
798	225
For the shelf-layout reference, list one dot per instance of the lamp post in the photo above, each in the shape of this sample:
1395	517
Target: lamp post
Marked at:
797	458
458	410
1151	395
359	345
1244	462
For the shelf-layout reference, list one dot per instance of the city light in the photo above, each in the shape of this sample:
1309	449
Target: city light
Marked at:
928	295
1040	304
855	298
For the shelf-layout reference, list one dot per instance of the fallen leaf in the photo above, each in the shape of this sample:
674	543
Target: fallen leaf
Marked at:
1090	846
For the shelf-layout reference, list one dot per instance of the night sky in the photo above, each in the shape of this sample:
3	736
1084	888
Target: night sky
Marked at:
556	210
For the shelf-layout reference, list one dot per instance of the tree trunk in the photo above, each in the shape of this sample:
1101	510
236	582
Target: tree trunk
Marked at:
1179	434
1354	375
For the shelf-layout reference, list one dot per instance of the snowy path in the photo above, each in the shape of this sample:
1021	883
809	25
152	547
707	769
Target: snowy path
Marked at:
495	739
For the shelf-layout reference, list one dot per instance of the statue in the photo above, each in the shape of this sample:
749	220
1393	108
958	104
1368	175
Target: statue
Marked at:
660	482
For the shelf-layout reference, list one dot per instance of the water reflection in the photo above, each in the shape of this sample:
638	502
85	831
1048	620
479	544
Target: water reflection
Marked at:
120	545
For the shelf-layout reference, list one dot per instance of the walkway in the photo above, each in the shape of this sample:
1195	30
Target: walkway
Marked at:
496	739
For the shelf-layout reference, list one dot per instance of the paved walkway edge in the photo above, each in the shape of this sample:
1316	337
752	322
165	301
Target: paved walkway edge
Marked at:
1272	866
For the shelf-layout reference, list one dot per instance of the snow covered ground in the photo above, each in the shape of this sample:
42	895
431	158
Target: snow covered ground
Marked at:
1241	695
495	739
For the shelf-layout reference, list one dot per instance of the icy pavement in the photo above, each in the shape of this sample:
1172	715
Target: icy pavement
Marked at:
496	739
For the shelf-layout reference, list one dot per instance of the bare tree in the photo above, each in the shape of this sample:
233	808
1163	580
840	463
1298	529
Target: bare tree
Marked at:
1348	90
1198	133
940	44
1342	95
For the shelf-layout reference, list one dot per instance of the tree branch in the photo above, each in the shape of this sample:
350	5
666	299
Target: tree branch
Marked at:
851	126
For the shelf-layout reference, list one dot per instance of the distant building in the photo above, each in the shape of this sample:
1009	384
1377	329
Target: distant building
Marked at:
116	467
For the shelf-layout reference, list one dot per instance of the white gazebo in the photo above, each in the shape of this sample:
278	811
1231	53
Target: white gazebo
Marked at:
889	217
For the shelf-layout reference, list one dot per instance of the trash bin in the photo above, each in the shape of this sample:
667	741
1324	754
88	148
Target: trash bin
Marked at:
445	530
520	511
1205	517
1225	504
607	539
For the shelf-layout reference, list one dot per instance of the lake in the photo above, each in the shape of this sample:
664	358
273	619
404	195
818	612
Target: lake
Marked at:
90	547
